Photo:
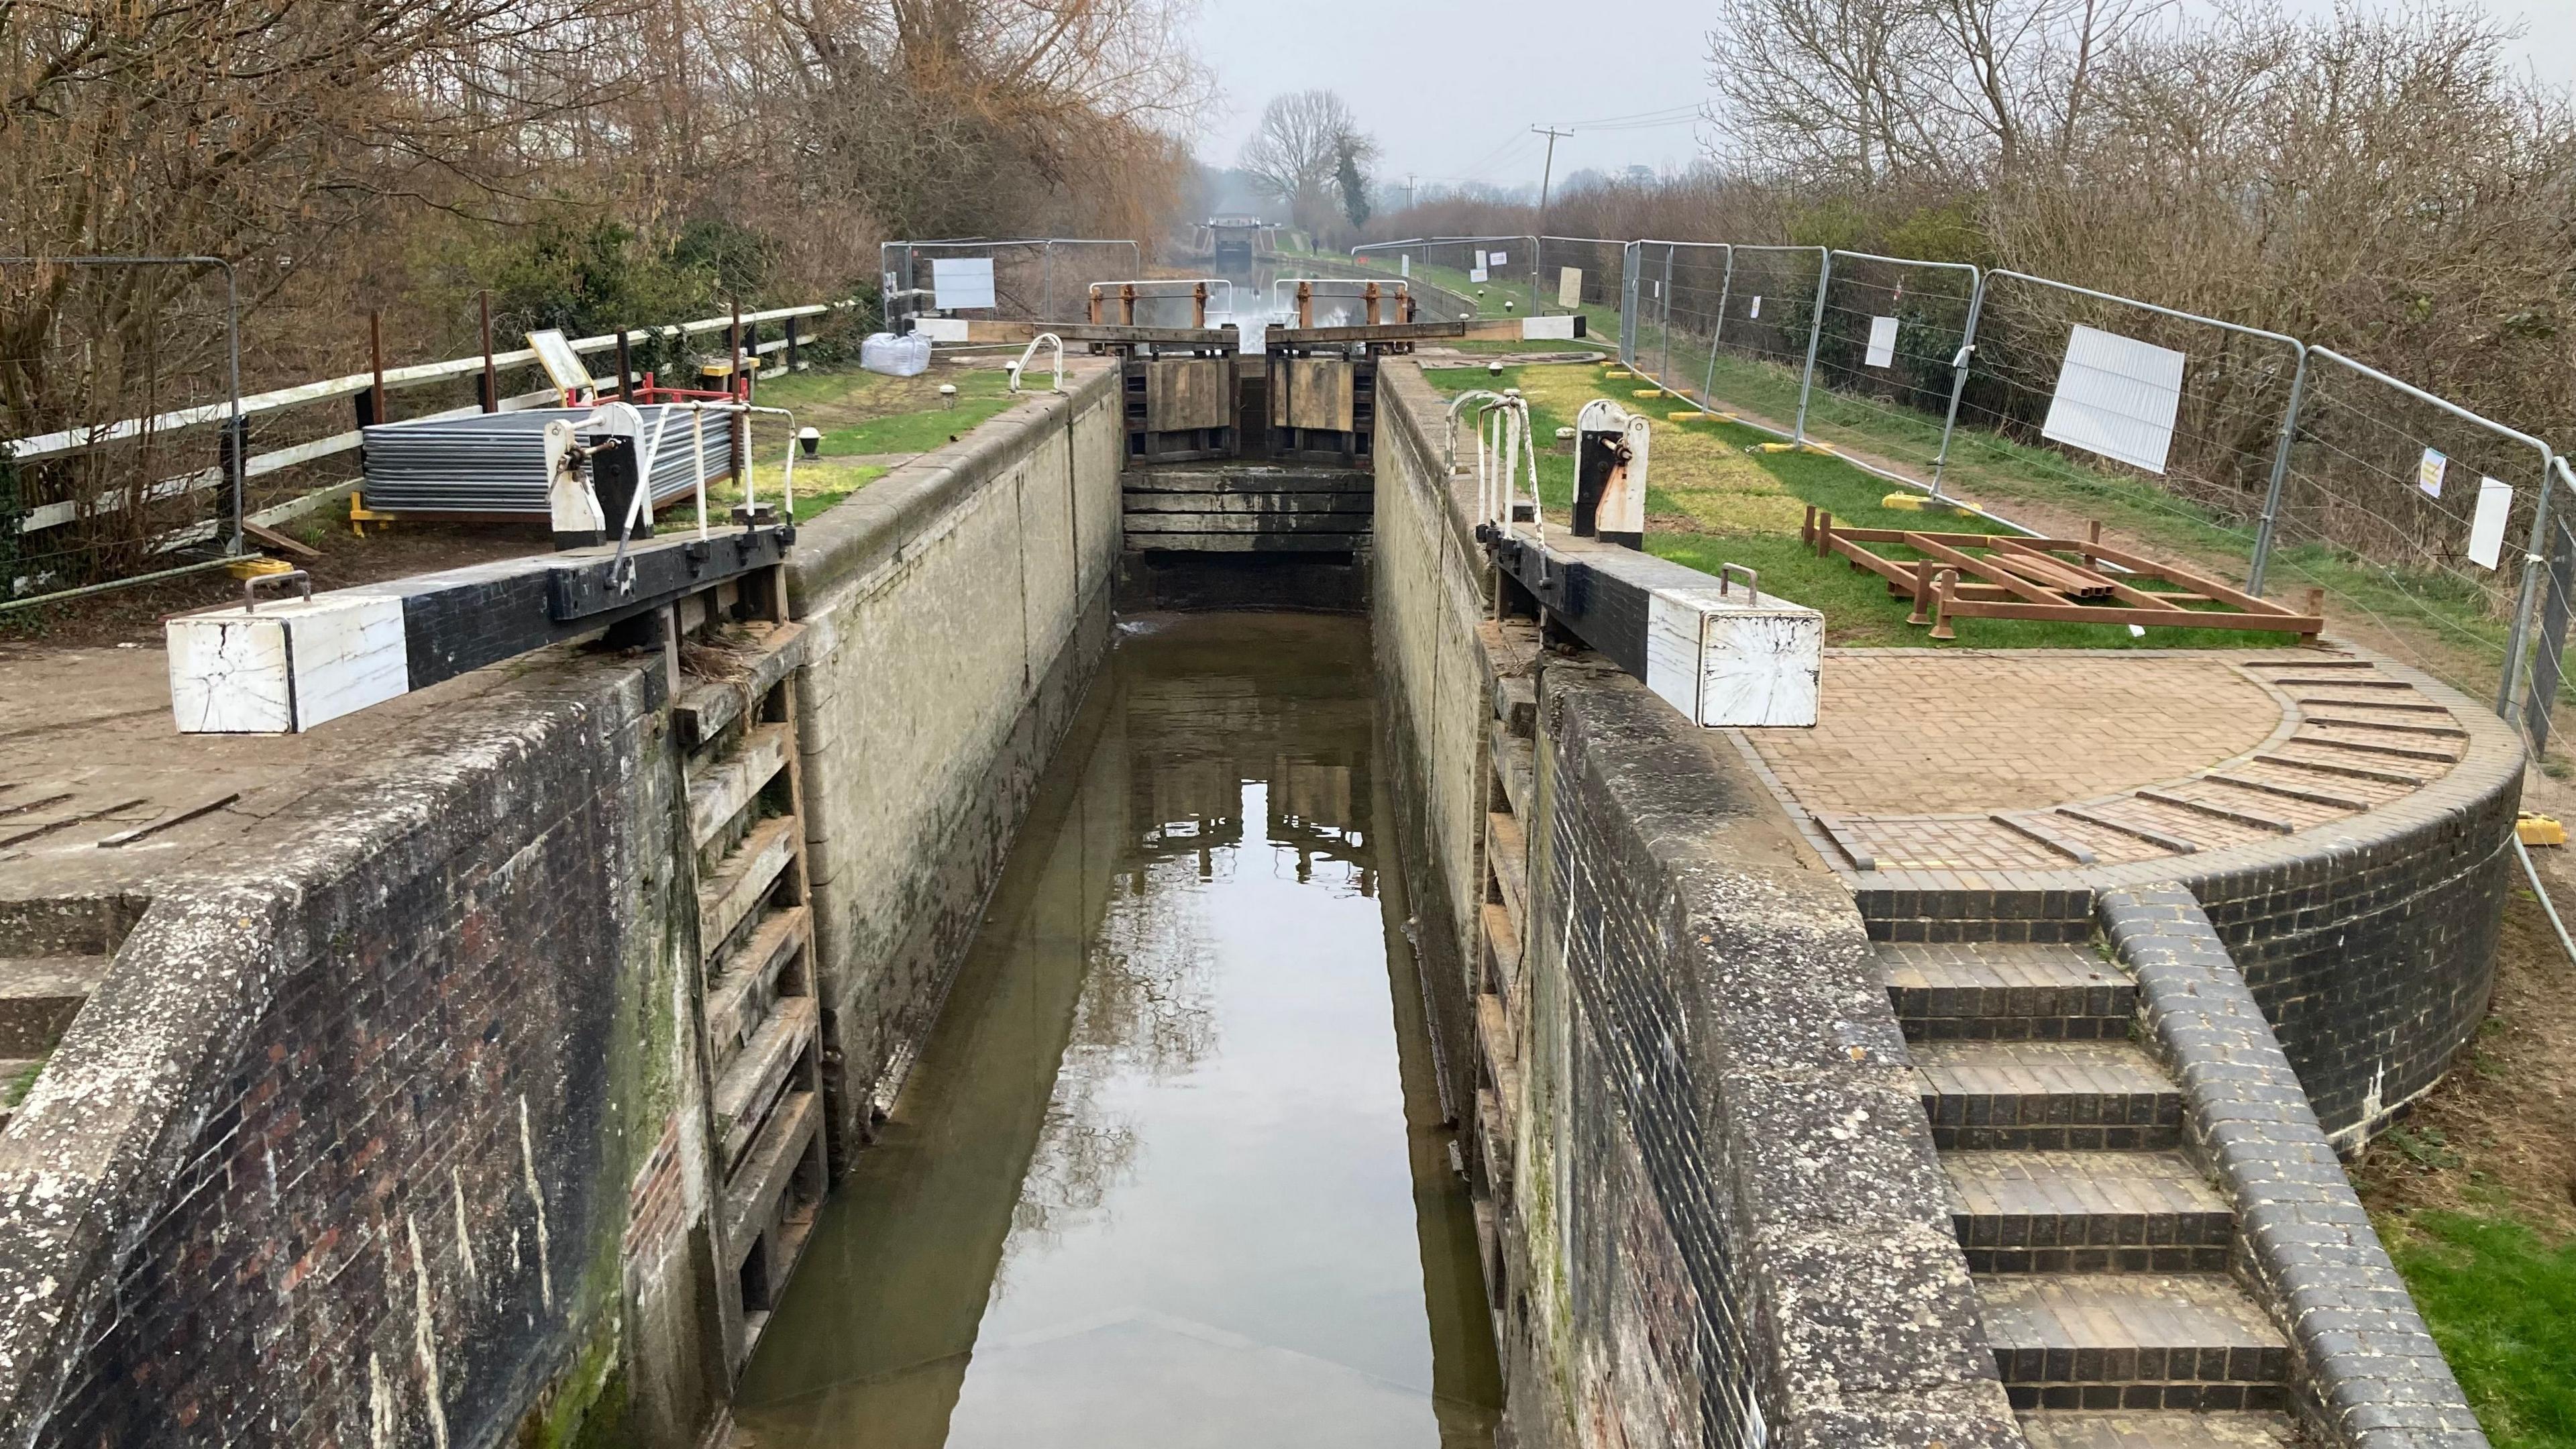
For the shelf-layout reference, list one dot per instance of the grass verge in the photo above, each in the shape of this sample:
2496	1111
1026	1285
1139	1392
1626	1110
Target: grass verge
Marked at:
2501	1301
1711	502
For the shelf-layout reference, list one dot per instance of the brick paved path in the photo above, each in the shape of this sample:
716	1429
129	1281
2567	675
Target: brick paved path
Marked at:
1961	762
1908	732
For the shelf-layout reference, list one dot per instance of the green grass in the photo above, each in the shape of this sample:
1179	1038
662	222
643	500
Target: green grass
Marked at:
1745	508
1501	346
2457	628
2502	1304
864	414
15	1089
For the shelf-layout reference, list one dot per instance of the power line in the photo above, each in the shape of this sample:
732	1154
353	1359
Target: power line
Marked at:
1599	121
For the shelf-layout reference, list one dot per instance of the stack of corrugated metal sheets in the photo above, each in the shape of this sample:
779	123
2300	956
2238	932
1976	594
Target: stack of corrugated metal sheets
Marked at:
496	462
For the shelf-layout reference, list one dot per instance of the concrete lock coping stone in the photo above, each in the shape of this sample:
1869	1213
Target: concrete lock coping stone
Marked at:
2372	1372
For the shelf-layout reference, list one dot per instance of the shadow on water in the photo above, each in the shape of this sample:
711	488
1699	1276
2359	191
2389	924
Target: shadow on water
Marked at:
1171	1168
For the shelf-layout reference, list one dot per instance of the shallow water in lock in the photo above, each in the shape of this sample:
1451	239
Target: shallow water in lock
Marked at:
1170	1169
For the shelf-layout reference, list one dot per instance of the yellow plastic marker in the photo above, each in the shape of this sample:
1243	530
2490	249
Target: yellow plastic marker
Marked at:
1917	503
2539	830
253	566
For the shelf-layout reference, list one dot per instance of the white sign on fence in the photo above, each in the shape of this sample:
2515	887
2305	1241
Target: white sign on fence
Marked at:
957	282
2486	527
2429	471
2118	397
1882	341
1757	304
1404	264
1480	260
1498	260
1476	275
1569	287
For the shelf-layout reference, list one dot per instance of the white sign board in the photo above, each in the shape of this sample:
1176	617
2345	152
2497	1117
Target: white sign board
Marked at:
1561	328
1569	287
2486	527
1757	305
957	282
1477	276
940	329
2118	397
564	367
1882	341
1498	260
1404	264
2429	471
1478	264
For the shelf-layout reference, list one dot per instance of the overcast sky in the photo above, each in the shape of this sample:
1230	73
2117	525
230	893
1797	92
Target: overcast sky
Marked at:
1453	102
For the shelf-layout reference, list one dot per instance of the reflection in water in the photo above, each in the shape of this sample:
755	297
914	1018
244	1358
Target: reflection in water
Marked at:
1170	1170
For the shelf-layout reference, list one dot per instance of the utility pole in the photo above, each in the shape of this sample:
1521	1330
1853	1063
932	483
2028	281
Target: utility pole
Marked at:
1546	173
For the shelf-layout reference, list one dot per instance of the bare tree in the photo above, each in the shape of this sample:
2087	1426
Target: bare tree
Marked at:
1823	89
1297	149
2017	78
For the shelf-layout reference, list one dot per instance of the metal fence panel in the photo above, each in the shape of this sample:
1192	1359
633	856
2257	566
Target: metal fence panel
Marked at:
1035	279
1892	336
2406	507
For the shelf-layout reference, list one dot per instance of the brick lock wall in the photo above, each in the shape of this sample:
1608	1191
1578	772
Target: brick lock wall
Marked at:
2374	956
408	1165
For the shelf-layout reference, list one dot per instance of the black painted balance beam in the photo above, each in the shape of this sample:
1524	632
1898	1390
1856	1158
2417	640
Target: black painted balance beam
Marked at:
1719	650
283	666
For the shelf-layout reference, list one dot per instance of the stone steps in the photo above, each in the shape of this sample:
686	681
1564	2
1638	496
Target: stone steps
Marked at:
2010	992
2087	1212
2053	1096
2132	1341
39	996
2099	1249
2062	1430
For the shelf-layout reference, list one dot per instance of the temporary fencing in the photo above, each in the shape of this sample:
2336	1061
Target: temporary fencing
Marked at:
1579	274
2413	513
2418	511
1674	294
1031	279
1893	339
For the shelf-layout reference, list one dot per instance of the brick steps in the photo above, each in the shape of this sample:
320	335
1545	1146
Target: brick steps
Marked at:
14	1071
2087	1212
2062	1430
2098	1248
39	996
2132	1341
1990	990
2047	1096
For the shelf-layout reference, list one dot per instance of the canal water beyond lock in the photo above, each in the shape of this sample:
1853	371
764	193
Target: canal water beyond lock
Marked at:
1170	1169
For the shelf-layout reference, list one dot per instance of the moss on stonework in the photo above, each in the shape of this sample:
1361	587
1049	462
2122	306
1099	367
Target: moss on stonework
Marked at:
586	1408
